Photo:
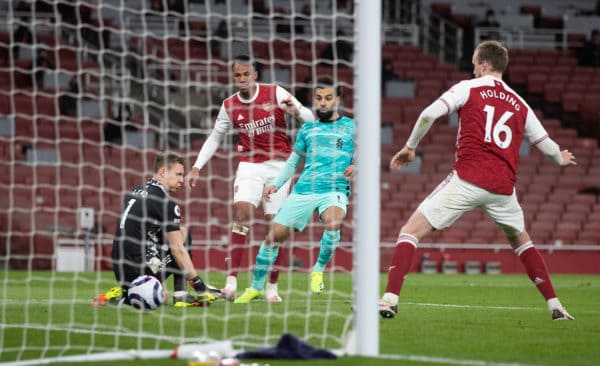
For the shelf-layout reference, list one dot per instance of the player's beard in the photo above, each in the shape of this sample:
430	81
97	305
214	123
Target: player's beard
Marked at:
324	116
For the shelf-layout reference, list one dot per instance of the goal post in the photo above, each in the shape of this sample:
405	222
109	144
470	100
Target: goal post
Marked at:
368	107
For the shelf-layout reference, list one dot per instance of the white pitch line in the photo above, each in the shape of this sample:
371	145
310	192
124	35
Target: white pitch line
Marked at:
174	340
43	302
465	306
448	361
20	302
177	340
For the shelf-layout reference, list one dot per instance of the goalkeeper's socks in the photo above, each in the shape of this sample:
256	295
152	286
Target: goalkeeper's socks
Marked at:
329	242
264	260
536	269
401	261
198	284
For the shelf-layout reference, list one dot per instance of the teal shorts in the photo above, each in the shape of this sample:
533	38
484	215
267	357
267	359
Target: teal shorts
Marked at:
297	210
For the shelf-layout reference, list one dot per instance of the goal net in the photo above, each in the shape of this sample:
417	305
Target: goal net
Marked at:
90	91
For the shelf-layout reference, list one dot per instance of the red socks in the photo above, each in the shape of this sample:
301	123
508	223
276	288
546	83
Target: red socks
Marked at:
536	269
236	250
279	262
401	262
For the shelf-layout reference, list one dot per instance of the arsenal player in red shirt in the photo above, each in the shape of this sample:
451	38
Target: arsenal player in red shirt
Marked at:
257	111
493	120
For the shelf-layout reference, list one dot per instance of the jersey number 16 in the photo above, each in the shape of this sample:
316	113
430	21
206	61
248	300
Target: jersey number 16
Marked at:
498	128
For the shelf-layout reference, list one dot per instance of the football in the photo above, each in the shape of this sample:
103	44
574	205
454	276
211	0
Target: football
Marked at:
145	293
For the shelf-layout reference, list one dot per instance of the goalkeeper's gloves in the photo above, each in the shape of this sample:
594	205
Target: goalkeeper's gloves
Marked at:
198	284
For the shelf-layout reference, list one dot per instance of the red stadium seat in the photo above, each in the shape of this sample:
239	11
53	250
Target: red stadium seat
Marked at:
553	91
517	74
591	237
70	152
536	82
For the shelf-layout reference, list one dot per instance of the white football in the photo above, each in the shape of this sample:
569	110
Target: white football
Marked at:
146	293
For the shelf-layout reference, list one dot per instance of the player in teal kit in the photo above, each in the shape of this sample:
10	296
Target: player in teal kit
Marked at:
327	145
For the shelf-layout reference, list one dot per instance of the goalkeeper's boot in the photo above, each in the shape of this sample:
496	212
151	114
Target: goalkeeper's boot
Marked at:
190	300
110	297
561	314
271	293
387	310
316	282
214	291
248	295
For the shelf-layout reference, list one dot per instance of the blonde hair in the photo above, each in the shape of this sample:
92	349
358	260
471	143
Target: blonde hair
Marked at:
167	160
494	53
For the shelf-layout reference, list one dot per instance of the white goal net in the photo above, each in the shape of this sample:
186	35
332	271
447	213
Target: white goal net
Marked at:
90	91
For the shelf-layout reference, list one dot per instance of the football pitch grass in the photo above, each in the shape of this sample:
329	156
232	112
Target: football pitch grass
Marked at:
474	320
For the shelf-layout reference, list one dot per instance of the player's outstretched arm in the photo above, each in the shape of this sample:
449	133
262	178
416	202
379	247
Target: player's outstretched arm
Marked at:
210	146
434	111
292	106
551	149
568	158
207	151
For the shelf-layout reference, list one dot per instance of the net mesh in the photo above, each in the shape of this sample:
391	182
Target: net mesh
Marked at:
90	91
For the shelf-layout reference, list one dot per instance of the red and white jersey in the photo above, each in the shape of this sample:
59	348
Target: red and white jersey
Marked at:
260	122
493	119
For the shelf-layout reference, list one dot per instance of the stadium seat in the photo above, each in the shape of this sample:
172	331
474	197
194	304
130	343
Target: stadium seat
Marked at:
575	216
536	82
23	126
453	235
534	197
586	199
591	237
571	181
517	74
547	216
68	197
553	91
46	175
70	152
92	130
566	60
92	198
46	129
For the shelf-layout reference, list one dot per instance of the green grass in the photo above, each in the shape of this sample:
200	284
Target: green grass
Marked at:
443	319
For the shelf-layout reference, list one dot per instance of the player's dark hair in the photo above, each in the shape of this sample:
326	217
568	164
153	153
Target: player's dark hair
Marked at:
242	60
327	82
167	159
494	53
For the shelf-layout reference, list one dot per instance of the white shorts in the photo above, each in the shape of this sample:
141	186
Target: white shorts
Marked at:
454	196
252	178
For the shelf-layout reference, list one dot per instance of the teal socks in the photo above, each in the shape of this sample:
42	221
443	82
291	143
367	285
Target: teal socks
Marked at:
329	241
264	261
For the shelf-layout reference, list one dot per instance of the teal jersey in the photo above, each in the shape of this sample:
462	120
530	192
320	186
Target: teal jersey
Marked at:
328	149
